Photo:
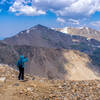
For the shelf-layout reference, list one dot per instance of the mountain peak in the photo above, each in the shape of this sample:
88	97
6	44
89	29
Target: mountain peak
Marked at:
39	26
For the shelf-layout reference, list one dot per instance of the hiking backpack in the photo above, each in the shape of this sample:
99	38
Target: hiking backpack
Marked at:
20	64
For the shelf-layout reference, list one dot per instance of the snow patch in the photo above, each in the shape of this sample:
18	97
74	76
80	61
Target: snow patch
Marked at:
88	31
21	32
27	31
81	28
33	28
88	38
86	28
53	28
65	30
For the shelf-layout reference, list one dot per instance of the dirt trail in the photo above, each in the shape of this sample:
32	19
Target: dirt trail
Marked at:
9	91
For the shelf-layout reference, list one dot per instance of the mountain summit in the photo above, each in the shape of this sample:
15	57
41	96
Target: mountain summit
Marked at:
39	26
81	31
40	36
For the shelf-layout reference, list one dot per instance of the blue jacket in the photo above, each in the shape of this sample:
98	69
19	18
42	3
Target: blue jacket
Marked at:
22	60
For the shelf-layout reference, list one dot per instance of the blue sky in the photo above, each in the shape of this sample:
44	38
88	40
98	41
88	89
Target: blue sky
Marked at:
17	15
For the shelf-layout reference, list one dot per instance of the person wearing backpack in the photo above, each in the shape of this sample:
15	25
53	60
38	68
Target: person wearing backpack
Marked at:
20	65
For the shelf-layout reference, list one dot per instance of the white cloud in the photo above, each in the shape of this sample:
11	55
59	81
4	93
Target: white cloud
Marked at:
95	23
73	21
20	7
81	7
61	20
62	8
69	7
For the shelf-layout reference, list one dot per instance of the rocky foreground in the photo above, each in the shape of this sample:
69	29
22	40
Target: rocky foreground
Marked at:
36	88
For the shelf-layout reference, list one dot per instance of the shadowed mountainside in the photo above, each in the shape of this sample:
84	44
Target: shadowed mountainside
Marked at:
51	63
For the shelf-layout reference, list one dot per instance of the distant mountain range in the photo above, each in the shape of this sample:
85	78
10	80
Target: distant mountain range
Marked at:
81	31
41	36
51	53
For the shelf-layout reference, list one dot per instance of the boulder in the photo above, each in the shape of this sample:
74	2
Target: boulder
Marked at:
2	79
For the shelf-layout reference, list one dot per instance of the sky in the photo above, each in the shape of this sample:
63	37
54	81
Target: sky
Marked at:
18	15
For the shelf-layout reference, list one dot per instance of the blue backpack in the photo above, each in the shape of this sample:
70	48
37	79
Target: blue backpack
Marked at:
20	64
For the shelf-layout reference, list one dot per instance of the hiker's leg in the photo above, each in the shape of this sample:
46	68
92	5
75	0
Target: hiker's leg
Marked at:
19	76
22	73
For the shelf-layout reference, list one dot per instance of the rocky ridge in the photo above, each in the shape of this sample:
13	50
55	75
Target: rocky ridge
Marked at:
81	31
36	88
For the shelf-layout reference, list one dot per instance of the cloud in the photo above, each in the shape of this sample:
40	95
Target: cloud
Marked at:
95	23
73	21
61	20
21	7
68	21
69	7
59	7
80	7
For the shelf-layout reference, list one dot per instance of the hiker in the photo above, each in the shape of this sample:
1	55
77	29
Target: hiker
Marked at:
20	65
